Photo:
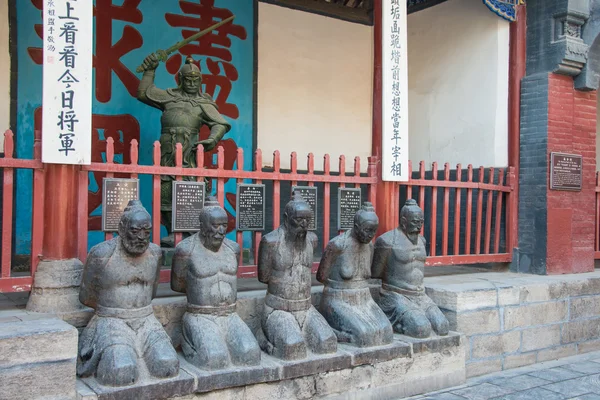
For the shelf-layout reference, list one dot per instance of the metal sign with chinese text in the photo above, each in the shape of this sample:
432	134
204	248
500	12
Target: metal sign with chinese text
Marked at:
394	92
188	201
67	82
250	207
566	171
348	205
309	194
116	194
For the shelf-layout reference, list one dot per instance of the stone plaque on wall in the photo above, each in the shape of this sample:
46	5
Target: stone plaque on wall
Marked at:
566	171
188	200
116	193
309	194
348	205
250	207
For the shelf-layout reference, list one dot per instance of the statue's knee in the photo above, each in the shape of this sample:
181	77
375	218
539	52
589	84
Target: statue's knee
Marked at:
415	324
117	366
439	322
161	360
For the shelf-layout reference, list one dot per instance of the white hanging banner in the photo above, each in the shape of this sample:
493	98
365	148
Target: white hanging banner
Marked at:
394	91
67	87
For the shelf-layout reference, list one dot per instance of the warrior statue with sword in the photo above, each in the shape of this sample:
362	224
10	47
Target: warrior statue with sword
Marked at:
185	110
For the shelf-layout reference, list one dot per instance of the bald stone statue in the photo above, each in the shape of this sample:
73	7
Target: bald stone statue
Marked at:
399	261
120	278
346	303
290	324
205	268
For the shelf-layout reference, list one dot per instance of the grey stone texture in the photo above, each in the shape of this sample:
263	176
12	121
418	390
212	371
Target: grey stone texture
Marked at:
37	359
512	320
395	371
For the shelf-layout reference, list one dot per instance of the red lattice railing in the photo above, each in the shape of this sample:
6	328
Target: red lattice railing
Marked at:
456	242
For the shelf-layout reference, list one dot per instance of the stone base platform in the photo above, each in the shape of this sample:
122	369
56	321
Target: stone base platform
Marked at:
512	320
404	368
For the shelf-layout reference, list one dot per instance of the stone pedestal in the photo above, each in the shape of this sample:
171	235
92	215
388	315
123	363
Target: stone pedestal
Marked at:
56	289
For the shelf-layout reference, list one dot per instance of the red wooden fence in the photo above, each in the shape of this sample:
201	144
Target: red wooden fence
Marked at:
489	253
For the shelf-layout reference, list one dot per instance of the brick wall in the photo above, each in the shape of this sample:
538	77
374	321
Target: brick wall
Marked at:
571	129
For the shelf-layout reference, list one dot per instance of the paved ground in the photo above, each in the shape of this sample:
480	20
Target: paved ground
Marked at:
574	378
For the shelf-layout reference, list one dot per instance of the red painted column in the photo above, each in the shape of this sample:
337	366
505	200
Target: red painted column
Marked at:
516	72
58	276
60	212
571	215
386	191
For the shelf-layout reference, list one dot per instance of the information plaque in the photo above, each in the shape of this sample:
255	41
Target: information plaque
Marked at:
188	200
250	207
116	193
566	171
309	194
348	205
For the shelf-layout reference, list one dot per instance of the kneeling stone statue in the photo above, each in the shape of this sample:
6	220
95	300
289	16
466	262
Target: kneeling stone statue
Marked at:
205	268
120	278
399	261
290	324
346	302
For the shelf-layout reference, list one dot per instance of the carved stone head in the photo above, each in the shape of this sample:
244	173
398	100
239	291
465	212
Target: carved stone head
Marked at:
411	218
190	77
135	228
213	224
296	216
366	223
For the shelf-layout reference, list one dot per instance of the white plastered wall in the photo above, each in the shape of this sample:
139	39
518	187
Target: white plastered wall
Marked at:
458	85
4	71
315	79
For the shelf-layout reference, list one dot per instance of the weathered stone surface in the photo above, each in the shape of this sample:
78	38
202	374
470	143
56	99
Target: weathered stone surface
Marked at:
84	392
336	382
556	353
477	368
535	314
315	364
146	388
586	347
578	331
37	341
41	380
434	344
475	322
508	296
56	287
495	345
541	337
207	381
585	307
371	355
519	360
464	298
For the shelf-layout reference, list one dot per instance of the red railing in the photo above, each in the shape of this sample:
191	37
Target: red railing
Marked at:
484	235
486	244
9	281
220	174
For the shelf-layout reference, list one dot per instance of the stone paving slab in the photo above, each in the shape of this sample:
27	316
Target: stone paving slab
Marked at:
570	378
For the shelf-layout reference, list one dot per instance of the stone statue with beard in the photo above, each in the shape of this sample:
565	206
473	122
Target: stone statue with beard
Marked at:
399	261
290	323
120	278
205	268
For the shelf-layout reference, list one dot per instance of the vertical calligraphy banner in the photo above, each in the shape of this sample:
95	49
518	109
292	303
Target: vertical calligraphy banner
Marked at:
67	82
124	33
394	92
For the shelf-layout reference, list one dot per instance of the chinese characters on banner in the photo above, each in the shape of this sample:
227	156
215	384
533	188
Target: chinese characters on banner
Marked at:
67	82
394	92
